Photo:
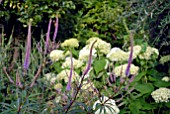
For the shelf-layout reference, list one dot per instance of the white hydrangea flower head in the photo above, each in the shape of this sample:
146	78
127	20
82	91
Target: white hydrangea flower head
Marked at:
64	75
113	109
85	52
166	79
57	99
120	70
161	95
87	85
76	63
116	54
57	55
88	74
103	46
58	86
136	50
51	77
148	53
72	42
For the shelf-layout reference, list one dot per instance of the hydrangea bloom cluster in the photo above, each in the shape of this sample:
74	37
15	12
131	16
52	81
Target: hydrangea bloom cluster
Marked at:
100	45
57	55
87	86
76	63
120	70
72	43
161	95
136	50
116	54
110	106
64	75
148	53
166	79
51	77
85	52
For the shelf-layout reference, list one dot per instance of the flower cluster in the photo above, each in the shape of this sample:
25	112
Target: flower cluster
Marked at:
72	43
85	52
161	95
148	53
120	70
100	45
76	63
166	79
108	107
116	54
64	75
51	77
57	55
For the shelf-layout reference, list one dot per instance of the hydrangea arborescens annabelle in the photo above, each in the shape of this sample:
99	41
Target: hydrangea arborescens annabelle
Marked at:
116	54
57	55
64	75
70	43
120	70
87	86
148	53
110	106
85	52
161	95
136	50
76	63
101	45
51	77
58	86
166	79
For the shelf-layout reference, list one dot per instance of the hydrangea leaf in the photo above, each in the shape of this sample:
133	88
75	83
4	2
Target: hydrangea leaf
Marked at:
160	83
99	65
144	88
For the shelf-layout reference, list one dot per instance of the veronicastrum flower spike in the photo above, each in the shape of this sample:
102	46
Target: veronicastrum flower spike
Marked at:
28	48
48	36
127	73
71	72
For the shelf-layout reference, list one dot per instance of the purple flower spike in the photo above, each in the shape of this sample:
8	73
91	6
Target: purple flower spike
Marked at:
71	72
127	73
28	48
48	36
90	60
56	29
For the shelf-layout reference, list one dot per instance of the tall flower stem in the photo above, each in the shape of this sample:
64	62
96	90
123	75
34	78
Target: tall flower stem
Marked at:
48	36
85	72
28	48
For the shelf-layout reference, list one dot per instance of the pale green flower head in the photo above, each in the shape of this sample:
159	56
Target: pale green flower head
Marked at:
136	50
76	63
85	52
57	55
51	77
166	79
110	106
64	75
116	54
120	70
102	46
161	95
72	43
148	53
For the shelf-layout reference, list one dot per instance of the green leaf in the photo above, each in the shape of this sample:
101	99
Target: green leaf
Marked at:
144	88
133	108
139	76
160	83
167	104
99	65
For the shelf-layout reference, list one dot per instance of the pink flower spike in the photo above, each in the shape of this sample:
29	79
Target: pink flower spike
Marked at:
90	60
28	48
127	73
71	72
56	29
48	36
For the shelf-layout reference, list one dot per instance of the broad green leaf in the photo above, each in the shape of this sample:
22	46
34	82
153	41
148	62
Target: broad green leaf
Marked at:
99	65
144	88
160	83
